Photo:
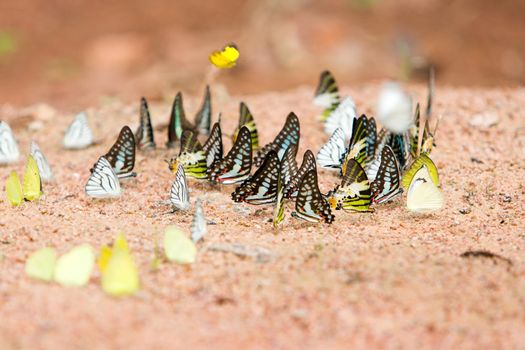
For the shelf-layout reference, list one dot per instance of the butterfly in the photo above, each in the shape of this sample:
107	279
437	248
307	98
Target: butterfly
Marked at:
31	189
357	148
289	166
178	247
78	135
74	268
191	156
103	182
246	119
310	205
213	147
179	196
291	188
330	155
178	122
225	58
203	116
41	264
198	225
354	192
400	144
371	139
261	188
121	155
9	152
278	211
46	174
327	94
342	117
119	273
394	108
288	135
144	136
386	182
237	164
423	194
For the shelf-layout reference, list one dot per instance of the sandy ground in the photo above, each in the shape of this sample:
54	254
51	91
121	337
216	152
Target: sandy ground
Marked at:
384	280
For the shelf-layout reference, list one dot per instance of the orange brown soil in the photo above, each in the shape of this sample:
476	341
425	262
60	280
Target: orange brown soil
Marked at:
386	280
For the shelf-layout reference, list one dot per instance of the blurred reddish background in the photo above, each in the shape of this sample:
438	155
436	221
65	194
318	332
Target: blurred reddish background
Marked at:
73	52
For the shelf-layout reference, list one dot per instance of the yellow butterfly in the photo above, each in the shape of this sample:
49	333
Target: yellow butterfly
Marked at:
31	190
422	161
119	273
423	194
226	58
178	247
74	268
41	264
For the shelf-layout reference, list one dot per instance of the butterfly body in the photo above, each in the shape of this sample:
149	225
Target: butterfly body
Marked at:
179	195
103	182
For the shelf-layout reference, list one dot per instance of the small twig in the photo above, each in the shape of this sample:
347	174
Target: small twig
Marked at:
485	254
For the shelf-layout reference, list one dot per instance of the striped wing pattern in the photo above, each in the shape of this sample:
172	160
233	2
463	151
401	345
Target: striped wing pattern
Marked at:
310	205
288	135
144	137
179	196
103	182
290	190
121	156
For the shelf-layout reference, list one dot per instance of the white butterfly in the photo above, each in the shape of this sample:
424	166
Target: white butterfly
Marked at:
333	151
103	182
198	225
342	117
423	195
9	152
46	174
78	134
179	196
394	108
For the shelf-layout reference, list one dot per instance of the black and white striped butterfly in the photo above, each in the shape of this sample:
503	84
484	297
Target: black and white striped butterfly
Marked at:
144	136
179	195
213	147
342	117
103	182
291	188
199	227
9	152
327	94
121	155
78	135
400	144
246	119
332	152
261	188
46	174
237	164
289	166
288	135
310	204
386	183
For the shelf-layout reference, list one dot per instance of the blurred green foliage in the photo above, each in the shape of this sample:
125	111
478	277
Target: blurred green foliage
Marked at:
8	44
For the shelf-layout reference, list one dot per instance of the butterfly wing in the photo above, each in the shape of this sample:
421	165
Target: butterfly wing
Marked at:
278	211
394	108
32	187
13	190
144	137
289	134
203	116
246	119
371	139
103	182
9	152
213	147
178	122
46	174
74	268
327	94
261	188
289	166
290	190
386	184
333	151
179	195
121	155
177	247
310	205
237	164
342	117
423	196
198	225
422	161
354	193
78	135
226	58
